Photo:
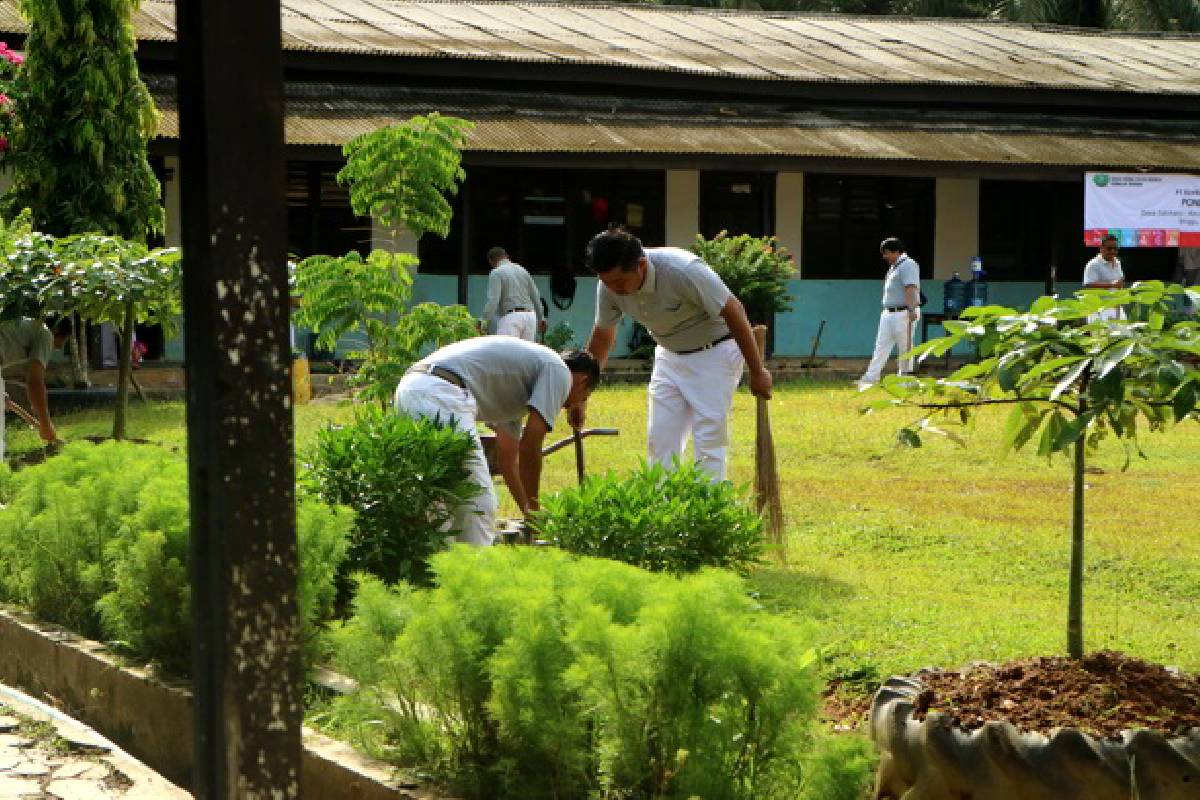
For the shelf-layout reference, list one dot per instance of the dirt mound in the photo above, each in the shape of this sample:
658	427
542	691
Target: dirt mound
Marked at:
1103	693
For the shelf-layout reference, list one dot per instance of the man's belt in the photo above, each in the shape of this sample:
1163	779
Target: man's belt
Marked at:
708	346
895	308
438	372
518	308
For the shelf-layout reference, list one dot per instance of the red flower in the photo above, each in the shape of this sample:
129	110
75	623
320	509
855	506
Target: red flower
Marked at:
3	144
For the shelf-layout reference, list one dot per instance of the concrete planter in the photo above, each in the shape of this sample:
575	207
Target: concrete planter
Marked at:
153	720
934	760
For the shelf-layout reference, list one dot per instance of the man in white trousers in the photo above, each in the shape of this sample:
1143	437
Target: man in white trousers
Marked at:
514	306
901	310
704	340
498	380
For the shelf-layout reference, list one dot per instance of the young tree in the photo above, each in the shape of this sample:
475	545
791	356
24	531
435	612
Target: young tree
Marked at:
109	279
1072	381
84	118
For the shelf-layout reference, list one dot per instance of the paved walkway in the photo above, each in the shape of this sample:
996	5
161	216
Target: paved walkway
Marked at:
44	754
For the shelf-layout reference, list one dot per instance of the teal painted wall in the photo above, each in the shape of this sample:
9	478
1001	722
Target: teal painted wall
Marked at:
850	310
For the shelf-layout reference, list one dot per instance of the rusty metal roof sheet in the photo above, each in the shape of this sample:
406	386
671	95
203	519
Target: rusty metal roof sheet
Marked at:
712	43
332	114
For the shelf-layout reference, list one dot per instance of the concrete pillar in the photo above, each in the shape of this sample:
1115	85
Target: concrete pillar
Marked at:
956	226
683	207
789	212
381	239
173	218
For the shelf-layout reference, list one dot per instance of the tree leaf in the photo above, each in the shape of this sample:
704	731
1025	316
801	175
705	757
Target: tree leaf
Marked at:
1069	379
907	437
1113	356
1184	402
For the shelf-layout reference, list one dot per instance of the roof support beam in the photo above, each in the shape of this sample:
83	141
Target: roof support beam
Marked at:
239	417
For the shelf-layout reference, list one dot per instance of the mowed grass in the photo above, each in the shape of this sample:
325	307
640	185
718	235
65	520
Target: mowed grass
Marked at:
907	558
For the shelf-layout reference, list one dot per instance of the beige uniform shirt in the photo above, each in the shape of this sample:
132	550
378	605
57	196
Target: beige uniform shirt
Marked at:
510	287
680	301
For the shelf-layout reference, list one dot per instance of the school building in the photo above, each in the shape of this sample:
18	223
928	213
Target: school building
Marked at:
963	137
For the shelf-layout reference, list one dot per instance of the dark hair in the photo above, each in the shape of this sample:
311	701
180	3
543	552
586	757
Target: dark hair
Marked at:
1109	238
60	327
614	248
495	254
891	245
584	362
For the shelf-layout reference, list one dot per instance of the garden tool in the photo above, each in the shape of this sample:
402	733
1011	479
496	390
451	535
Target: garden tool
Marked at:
766	472
15	407
578	455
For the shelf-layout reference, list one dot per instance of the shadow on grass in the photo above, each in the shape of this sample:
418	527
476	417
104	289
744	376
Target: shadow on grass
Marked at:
790	590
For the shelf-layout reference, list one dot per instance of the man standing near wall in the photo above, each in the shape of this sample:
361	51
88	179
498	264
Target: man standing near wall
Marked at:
901	310
704	339
514	306
1104	272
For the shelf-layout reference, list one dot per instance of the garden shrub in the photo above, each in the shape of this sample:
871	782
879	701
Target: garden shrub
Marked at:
530	673
403	478
672	520
756	270
96	539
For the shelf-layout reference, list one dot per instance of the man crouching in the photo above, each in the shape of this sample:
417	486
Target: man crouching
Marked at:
498	380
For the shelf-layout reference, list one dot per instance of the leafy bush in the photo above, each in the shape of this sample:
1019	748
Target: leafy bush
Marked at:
403	478
96	539
559	337
529	673
674	520
756	270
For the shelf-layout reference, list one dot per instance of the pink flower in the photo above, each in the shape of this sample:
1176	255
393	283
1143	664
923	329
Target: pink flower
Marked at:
14	58
3	98
3	144
3	46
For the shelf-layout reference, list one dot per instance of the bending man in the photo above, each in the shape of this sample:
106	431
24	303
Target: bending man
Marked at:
703	336
498	380
27	343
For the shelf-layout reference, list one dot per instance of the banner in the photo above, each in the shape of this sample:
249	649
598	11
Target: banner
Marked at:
1142	209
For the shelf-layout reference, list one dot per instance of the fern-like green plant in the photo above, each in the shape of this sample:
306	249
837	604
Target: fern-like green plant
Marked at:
529	673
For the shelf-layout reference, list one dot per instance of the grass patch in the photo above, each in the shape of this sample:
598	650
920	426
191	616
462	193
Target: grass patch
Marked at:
908	558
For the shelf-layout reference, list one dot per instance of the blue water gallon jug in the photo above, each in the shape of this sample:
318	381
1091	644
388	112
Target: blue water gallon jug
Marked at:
954	294
979	288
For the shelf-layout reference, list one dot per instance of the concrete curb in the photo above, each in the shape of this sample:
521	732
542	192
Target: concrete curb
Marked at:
152	720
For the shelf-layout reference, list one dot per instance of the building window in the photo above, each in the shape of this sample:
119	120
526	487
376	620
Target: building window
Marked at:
737	202
544	218
320	220
847	216
1025	227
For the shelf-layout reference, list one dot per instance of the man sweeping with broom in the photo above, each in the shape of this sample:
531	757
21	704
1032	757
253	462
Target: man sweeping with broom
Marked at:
703	337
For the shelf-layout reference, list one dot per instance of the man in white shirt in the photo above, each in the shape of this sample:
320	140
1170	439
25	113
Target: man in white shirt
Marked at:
1104	272
901	309
514	305
500	380
704	340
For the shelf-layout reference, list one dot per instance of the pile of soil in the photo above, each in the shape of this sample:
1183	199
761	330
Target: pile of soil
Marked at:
1102	694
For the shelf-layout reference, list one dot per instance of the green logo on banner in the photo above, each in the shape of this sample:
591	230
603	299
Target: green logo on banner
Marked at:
1100	180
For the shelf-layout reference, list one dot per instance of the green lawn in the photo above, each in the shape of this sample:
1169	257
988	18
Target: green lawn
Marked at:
907	558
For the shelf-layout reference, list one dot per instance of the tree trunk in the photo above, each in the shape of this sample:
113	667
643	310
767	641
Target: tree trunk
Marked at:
1075	581
124	369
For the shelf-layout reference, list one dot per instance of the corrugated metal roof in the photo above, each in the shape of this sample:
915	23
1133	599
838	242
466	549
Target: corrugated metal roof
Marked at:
330	114
705	42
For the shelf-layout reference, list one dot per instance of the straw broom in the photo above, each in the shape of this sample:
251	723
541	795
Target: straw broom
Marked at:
766	472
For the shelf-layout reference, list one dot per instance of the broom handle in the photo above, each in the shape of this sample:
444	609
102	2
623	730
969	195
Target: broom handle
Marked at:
760	339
